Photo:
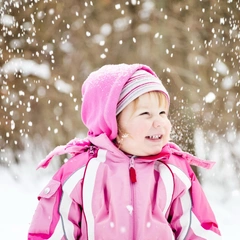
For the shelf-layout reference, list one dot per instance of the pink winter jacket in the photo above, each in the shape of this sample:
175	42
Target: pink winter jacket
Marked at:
94	195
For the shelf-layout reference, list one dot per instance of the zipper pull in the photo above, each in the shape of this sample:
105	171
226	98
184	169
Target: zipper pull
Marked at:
132	171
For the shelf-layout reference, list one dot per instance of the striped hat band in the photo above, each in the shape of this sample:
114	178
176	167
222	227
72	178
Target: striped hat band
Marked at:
141	82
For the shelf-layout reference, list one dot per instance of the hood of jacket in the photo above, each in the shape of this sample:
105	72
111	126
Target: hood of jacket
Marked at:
100	95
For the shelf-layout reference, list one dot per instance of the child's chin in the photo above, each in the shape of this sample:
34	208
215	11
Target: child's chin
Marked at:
147	152
155	151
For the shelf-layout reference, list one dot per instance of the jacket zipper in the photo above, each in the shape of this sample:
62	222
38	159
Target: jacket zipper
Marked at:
133	179
132	171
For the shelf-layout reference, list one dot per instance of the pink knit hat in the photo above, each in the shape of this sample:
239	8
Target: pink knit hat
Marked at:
139	83
106	92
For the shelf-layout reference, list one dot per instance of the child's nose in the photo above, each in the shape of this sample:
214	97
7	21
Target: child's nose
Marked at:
157	123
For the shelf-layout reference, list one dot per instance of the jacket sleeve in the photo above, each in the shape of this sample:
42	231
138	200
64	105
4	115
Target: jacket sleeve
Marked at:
191	216
57	215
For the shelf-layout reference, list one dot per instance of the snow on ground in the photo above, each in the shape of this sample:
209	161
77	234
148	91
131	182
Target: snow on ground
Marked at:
18	200
227	210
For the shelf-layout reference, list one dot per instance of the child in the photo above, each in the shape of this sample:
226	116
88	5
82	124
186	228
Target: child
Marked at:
125	181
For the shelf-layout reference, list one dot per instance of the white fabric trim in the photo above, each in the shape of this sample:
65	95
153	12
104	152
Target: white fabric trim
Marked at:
201	232
64	207
186	202
88	187
186	217
167	179
58	231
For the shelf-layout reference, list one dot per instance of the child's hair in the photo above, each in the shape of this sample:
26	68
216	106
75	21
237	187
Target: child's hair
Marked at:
160	96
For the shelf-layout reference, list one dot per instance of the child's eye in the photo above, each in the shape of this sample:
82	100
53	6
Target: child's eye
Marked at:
144	113
162	112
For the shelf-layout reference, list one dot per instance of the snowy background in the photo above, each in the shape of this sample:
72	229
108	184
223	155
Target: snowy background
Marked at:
194	46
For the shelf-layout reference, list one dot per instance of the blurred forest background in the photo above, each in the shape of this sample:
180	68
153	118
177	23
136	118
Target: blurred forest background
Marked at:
49	47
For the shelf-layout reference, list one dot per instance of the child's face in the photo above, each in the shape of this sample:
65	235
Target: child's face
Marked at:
146	125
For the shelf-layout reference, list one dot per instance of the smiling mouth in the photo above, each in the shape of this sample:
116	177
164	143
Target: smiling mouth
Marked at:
154	137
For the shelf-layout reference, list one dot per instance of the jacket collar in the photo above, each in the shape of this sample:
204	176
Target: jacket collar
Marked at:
102	141
77	146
